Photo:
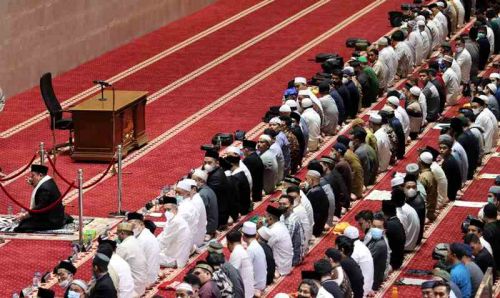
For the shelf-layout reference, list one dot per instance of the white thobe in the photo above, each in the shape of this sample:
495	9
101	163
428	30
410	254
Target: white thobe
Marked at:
175	241
416	42
487	121
405	59
258	258
422	100
464	60
130	250
313	121
442	182
190	213
201	227
241	261
490	35
247	173
304	201
301	213
460	11
151	250
458	71
402	116
443	21
411	223
125	287
363	257
452	83
426	43
388	56
281	244
383	149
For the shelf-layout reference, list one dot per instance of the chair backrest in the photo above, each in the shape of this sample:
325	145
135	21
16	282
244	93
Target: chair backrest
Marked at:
49	98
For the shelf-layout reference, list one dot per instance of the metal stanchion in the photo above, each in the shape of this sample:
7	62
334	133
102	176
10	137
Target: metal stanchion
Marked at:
119	212
80	207
42	153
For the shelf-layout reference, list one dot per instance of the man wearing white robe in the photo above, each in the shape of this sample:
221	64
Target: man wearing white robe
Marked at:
404	54
241	261
487	121
463	59
176	239
440	17
280	241
131	251
426	38
405	213
256	254
451	82
300	211
149	245
192	209
416	42
313	121
388	56
295	228
383	142
401	114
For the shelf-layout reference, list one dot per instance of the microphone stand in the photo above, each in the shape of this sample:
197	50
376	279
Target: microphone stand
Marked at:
102	92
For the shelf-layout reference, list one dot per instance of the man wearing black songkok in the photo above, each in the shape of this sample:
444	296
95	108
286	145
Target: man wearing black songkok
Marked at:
218	182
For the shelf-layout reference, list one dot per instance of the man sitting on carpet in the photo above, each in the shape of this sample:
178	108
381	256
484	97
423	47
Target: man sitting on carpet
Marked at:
44	194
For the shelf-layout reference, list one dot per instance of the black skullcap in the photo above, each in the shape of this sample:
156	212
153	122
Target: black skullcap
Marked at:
334	254
316	166
169	200
398	196
456	124
410	177
398	36
343	139
135	215
467	113
339	147
307	274
39	169
274	211
250	144
67	265
212	153
105	249
396	92
292	180
112	243
428	284
479	100
150	225
45	293
295	116
323	267
359	133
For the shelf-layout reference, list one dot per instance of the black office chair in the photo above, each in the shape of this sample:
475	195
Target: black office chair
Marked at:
56	111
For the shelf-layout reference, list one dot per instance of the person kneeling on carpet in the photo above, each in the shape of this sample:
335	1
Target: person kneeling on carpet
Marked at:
44	194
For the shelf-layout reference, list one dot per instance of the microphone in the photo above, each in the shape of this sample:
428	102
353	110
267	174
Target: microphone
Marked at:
103	83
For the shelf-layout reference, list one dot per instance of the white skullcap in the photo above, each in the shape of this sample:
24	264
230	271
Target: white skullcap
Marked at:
420	18
307	103
426	157
275	120
303	93
348	69
492	87
201	174
286	108
291	103
281	295
249	228
264	233
421	23
191	182
266	138
415	90
396	181
375	118
300	80
82	284
184	286
484	98
393	100
184	184
233	149
382	41
313	173
440	4
387	108
351	232
494	75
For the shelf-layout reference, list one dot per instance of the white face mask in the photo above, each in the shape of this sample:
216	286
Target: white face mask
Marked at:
351	145
209	168
169	215
459	49
345	80
65	283
476	111
411	193
73	294
137	231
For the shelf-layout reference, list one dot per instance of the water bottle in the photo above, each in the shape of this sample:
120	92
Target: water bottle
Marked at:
9	210
37	279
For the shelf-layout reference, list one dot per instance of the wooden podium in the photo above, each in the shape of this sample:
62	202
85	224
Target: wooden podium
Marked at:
96	135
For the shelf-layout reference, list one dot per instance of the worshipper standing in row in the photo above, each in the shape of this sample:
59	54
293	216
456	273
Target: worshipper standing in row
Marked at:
295	229
395	233
176	239
302	210
406	214
270	174
313	122
277	151
118	269
102	285
314	165
256	168
241	261
344	152
426	177
209	200
345	246
337	183
384	149
279	241
487	121
366	155
241	201
257	256
415	199
319	200
192	209
362	256
450	166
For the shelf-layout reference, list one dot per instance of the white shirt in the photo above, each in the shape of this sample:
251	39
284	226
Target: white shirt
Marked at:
456	68
422	100
426	42
442	182
363	257
281	244
411	223
464	60
175	241
331	114
313	121
402	116
302	216
245	169
241	261
201	227
383	149
487	121
436	33
452	83
490	35
258	258
441	19
42	181
460	11
416	42
125	288
304	201
130	250
388	56
486	245
151	250
191	214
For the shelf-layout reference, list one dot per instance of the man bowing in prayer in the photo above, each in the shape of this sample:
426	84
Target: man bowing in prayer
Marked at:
50	216
176	239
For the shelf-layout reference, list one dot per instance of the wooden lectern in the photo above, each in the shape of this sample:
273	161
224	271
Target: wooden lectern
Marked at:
99	127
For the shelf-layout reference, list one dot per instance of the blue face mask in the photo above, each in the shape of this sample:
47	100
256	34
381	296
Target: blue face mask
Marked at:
376	233
73	294
481	35
179	198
